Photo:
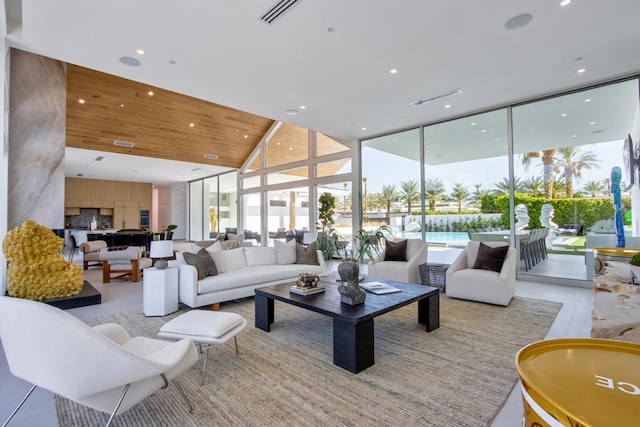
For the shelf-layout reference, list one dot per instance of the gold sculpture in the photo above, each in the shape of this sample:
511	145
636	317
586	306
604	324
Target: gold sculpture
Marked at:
36	269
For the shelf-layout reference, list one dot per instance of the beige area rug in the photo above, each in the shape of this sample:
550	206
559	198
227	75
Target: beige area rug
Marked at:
457	375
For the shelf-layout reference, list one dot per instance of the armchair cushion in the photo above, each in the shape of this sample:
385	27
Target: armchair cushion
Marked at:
490	258
203	263
395	251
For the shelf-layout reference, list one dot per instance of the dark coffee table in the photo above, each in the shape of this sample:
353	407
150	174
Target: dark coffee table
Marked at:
353	332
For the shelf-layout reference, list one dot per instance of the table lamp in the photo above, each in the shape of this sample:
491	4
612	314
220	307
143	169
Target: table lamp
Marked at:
161	249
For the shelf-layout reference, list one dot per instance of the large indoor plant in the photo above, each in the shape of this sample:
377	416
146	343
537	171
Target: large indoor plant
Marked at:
368	244
328	237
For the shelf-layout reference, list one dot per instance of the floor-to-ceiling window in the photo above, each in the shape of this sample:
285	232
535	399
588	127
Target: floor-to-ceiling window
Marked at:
466	187
564	151
391	183
213	206
564	148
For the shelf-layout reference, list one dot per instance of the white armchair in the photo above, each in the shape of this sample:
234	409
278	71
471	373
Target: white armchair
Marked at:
400	271
101	367
465	282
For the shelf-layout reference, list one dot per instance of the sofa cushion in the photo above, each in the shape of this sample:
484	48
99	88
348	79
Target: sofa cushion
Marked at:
395	251
306	254
203	263
490	258
259	255
286	253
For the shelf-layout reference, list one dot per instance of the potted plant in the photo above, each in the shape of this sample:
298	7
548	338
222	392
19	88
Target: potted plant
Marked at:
167	233
328	237
368	244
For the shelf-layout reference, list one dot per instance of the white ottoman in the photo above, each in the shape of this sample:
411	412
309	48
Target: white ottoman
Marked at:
205	327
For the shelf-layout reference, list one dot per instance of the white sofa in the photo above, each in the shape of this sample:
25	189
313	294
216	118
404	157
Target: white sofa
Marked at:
400	271
240	272
465	282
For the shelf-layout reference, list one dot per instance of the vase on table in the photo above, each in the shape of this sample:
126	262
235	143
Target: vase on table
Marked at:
350	291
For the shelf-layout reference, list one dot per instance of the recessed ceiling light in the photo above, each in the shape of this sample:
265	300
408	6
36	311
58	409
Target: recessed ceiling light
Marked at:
331	30
447	106
473	123
518	21
563	115
565	3
140	51
582	70
364	128
291	112
483	130
290	148
587	100
121	105
303	107
150	93
592	123
193	124
131	62
81	101
393	71
246	136
574	136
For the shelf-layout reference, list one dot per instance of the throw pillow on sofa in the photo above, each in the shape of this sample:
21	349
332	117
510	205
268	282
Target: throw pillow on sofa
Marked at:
259	255
286	253
203	263
306	254
489	258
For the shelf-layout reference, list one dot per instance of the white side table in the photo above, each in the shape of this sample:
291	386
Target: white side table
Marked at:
160	292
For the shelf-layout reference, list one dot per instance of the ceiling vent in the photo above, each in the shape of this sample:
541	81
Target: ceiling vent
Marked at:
277	10
211	156
123	143
437	97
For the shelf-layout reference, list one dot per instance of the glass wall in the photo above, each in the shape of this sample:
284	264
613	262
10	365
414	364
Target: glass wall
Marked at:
213	206
391	182
564	152
551	199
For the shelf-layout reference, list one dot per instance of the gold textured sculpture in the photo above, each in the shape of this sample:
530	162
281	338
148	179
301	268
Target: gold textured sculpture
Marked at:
36	269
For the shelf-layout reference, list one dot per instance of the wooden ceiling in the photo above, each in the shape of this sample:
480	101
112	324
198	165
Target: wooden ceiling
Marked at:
159	125
167	125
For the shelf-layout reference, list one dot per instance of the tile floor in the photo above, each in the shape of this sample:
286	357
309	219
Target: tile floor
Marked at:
574	320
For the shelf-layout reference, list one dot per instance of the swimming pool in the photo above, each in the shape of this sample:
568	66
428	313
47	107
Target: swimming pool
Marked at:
446	238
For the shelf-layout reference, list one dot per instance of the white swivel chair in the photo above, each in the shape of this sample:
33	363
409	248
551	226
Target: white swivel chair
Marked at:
465	282
400	271
100	367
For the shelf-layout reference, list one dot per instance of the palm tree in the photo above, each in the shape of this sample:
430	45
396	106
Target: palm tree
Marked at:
460	193
433	191
570	162
547	158
559	187
607	184
533	185
502	187
594	187
389	196
410	193
364	199
478	194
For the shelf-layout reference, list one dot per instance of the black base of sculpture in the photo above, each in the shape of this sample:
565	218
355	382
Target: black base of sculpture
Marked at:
87	296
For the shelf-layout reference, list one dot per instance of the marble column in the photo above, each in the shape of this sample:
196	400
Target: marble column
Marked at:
36	140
